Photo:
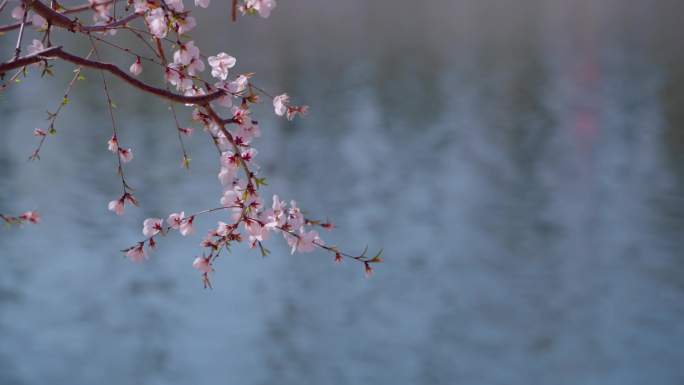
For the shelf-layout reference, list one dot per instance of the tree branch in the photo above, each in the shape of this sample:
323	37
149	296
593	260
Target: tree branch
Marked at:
58	52
58	19
86	6
53	17
65	11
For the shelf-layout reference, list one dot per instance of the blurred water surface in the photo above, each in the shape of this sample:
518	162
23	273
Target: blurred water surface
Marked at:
522	164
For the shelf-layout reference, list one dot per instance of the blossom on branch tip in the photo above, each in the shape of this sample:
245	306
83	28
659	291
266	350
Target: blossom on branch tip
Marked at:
185	25
263	7
186	53
368	270
280	103
202	264
152	226
136	68
257	233
175	219
246	132
186	226
293	111
156	21
196	66
231	198
223	229
113	144
117	206
137	253
30	216
176	77
295	218
220	65
125	154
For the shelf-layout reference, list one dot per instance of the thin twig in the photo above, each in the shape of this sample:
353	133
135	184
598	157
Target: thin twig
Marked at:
17	49
2	5
52	117
111	115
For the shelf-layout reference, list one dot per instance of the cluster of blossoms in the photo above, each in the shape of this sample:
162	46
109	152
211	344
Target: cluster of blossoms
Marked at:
28	217
166	23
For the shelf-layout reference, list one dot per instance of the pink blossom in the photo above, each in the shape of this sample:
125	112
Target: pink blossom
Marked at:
208	240
175	220
176	5
136	68
202	3
31	216
295	218
226	175
194	91
152	226
280	103
202	264
101	8
368	270
35	47
39	132
223	229
113	144
240	115
248	155
254	202
239	84
185	25
225	101
293	111
186	226
125	154
263	7
196	66
304	243
187	131
128	197
173	75
278	205
257	233
156	20
137	253
247	131
275	217
234	87
186	53
230	160
231	198
220	65
117	206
